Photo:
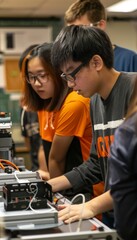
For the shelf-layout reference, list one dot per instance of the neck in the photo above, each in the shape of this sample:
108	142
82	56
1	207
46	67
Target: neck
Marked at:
109	82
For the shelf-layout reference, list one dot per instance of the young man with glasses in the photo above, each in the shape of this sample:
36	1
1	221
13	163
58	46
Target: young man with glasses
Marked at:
85	56
93	13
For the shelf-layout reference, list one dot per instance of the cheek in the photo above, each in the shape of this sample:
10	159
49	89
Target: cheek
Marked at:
50	92
50	88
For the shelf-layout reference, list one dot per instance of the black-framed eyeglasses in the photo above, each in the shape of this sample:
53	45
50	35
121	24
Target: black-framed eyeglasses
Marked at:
71	76
41	78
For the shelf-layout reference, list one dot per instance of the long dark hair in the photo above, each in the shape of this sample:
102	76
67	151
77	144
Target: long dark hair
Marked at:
31	98
24	54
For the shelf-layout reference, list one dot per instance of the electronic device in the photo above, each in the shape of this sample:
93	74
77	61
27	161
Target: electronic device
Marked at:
17	176
24	220
8	161
26	194
62	232
85	235
5	136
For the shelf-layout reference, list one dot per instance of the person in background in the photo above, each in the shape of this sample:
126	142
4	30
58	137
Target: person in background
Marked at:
93	13
64	116
30	126
123	173
85	57
30	131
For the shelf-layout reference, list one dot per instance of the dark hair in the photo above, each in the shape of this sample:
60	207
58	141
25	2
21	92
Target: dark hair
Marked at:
93	8
80	44
133	101
31	98
24	54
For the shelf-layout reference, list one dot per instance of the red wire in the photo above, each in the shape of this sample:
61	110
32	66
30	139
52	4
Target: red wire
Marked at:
8	163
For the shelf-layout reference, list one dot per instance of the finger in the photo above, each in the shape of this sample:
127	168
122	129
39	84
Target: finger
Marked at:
60	207
63	212
64	217
68	219
67	216
71	219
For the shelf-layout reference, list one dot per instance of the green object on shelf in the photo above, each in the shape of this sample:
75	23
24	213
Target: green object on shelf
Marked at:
4	102
11	105
15	111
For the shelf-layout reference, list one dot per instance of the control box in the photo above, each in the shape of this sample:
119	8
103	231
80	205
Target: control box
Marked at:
25	195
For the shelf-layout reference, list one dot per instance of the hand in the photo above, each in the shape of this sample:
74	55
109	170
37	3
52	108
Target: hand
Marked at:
43	174
72	213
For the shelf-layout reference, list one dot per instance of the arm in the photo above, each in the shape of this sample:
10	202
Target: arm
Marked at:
59	183
43	170
41	159
57	156
123	181
72	121
87	174
84	177
92	208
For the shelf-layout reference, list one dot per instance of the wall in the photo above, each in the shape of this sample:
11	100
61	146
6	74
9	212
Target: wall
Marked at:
24	33
21	38
123	33
21	33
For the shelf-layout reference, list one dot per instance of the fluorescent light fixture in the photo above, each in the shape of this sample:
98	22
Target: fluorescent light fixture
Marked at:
123	6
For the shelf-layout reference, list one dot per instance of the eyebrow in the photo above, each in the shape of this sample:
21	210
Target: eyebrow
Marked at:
40	71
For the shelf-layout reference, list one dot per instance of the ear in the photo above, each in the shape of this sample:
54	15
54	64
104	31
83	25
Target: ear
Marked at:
102	24
97	62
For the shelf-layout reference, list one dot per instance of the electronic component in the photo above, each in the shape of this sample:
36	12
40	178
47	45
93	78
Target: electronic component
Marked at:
7	148
26	194
5	136
17	176
15	221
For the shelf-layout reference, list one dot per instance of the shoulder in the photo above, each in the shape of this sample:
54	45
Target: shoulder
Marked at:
127	77
125	59
75	105
73	99
125	51
128	127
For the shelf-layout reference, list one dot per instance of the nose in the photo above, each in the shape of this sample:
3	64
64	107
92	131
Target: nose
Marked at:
37	83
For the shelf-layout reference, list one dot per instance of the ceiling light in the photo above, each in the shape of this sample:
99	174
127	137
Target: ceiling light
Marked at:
123	6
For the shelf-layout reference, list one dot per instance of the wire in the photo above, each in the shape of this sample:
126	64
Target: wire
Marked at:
80	220
1	165
16	177
8	163
32	191
35	191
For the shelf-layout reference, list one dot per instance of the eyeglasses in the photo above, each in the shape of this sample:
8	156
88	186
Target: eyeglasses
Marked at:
95	24
41	78
71	76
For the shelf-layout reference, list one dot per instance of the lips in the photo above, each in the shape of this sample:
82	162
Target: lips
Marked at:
40	92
